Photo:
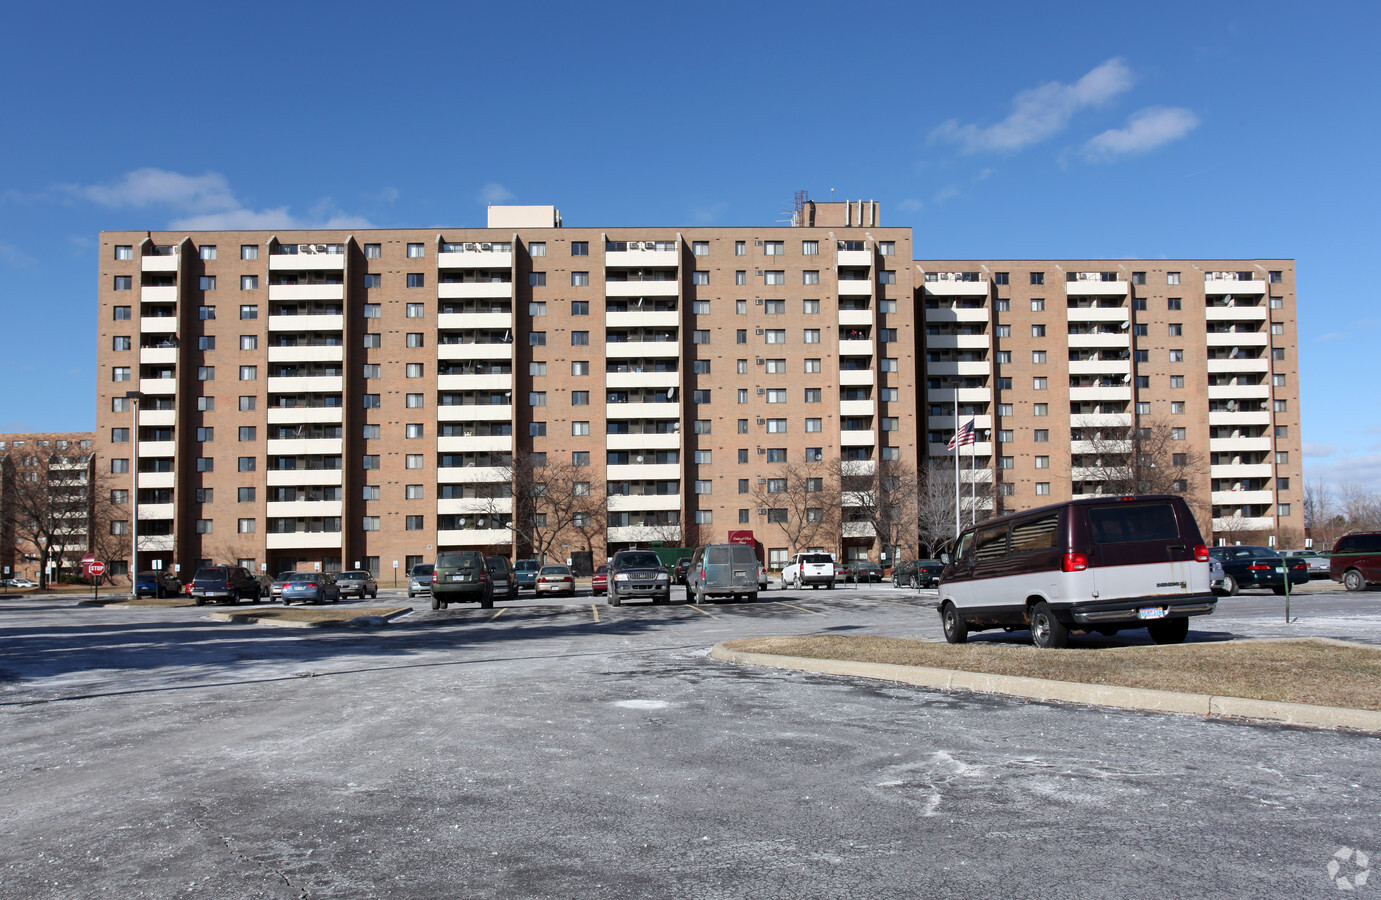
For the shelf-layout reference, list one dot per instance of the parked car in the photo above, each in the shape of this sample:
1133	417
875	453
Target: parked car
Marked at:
526	570
502	575
1216	576
276	586
22	583
1356	560
460	576
1245	566
917	573
762	577
599	582
232	583
265	586
357	583
722	570
420	580
555	579
861	572
1318	563
1099	563
682	566
310	587
158	583
634	574
814	569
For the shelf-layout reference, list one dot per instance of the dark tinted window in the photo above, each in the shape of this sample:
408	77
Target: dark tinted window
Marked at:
990	543
454	560
1035	534
209	574
744	555
422	569
816	558
717	555
637	559
1126	522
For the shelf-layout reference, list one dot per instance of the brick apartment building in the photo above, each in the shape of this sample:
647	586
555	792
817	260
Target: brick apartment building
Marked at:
336	398
46	493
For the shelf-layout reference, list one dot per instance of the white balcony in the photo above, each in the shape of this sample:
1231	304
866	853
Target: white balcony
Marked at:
1123	392
855	377
966	395
475	413
1239	392
1237	339
956	288
982	367
156	543
857	438
1243	498
1242	470
1103	447
166	263
473	537
855	318
1117	314
157	511
957	314
304	447
642	259
472	475
642	379
305	415
854	258
467	506
300	292
1091	288
156	479
642	534
666	318
1239	445
158	324
1239	418
158	418
305	540
860	467
306	354
303	477
158	355
619	503
305	384
474	290
1216	287
306	262
642	441
475	443
1240	524
303	508
643	472
957	342
621	411
158	294
475	259
980	475
474	351
1235	313
977	449
501	381
1099	341
325	322
859	288
1100	420
159	386
149	449
857	408
855	348
1100	367
980	423
469	321
642	288
1239	365
650	349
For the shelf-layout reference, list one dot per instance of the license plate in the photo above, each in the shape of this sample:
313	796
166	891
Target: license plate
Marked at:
740	573
1280	571
1151	612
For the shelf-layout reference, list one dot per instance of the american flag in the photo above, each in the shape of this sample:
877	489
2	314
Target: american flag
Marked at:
962	436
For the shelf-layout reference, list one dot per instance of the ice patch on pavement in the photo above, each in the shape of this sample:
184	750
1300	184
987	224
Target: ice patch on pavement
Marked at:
642	704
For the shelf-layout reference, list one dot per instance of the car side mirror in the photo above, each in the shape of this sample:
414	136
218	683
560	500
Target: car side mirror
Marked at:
944	558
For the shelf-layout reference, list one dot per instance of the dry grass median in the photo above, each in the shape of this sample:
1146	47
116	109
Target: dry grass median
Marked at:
333	615
1322	673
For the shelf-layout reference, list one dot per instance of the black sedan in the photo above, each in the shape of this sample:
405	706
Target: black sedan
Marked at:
1258	567
917	573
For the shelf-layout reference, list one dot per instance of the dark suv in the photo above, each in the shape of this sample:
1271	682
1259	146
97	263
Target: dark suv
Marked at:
231	583
159	583
638	573
461	576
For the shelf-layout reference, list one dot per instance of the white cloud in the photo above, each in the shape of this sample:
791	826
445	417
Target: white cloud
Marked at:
1362	470
911	205
1146	130
1319	449
705	215
11	255
493	192
1041	112
948	192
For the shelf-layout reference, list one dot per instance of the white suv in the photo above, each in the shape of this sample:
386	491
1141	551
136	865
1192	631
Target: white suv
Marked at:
814	569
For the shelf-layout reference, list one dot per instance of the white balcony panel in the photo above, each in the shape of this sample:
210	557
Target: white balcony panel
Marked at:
980	423
858	530
857	438
1239	365
1242	470
160	386
474	290
159	418
643	534
474	351
158	294
1096	288
619	503
1100	420
475	259
157	448
644	472
642	288
977	450
966	395
850	318
155	543
158	324
475	413
1104	447
306	262
854	258
1225	526
166	263
971	369
979	475
642	259
860	467
472	475
1240	417
957	314
956	288
305	415
306	354
304	447
855	377
465	506
1117	367
303	477
1239	445
1218	287
157	511
307	292
1100	393
855	348
467	321
323	322
500	381
1117	314
667	318
636	442
306	384
477	443
473	537
1243	498
642	379
303	508
158	355
154	479
620	411
957	341
1235	313
651	349
861	288
305	540
1237	339
1099	341
857	408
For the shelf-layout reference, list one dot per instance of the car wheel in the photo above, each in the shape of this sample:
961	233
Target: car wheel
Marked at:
1279	590
374	594
1353	580
1169	631
913	584
1107	630
956	629
614	598
1047	632
1230	586
487	601
409	595
201	601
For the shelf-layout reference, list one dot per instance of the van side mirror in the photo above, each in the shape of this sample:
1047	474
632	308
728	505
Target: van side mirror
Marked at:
944	558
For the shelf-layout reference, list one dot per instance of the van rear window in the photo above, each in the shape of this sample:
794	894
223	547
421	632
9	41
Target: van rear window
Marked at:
717	556
1124	523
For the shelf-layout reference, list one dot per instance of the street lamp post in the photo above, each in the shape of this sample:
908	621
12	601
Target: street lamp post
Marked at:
134	397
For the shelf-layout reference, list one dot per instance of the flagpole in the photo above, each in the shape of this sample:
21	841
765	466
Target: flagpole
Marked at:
973	486
958	522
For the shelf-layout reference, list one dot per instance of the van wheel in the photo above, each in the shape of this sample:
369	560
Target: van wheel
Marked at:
1047	632
1353	580
1230	586
956	629
753	597
1169	631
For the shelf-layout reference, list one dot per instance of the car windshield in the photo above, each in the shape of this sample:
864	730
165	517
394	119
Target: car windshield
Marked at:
556	570
638	559
455	560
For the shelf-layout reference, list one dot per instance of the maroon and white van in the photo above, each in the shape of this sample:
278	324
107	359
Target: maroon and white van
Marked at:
1094	564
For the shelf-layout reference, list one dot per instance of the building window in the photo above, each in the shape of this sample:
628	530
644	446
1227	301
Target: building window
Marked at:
580	279
775	276
205	464
580	248
249	282
812	335
774	248
580	338
1178	434
580	429
1038	278
580	458
700	426
373	280
776	426
120	313
1173	304
1042	462
416	251
700	278
887	248
887	276
740	248
249	373
1038	384
580	367
370	401
537	429
700	248
120	342
704	486
537	279
1176	329
1006	462
206	373
373	311
1177	381
537	338
124	283
207	283
1172	277
414	401
1042	488
413	460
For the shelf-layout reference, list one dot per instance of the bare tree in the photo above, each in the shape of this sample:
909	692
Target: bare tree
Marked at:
885	496
51	497
935	496
802	500
547	497
1146	458
1361	508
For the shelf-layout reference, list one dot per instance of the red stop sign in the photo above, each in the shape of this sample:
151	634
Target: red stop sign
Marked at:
96	567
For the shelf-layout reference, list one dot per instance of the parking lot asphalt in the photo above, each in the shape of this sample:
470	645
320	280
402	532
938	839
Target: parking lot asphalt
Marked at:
545	749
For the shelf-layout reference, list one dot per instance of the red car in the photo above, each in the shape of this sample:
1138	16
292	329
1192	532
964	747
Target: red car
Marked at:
600	582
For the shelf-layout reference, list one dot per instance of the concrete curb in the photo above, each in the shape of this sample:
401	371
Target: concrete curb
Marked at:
257	618
1072	692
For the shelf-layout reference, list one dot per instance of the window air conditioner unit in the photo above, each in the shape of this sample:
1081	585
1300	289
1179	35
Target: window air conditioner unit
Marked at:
761	361
762	421
757	243
762	451
757	302
762	511
757	271
319	248
486	247
762	390
762	481
757	331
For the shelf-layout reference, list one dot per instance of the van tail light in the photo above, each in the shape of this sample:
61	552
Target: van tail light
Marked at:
1200	553
1074	562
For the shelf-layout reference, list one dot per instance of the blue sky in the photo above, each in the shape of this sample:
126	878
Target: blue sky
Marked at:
994	130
